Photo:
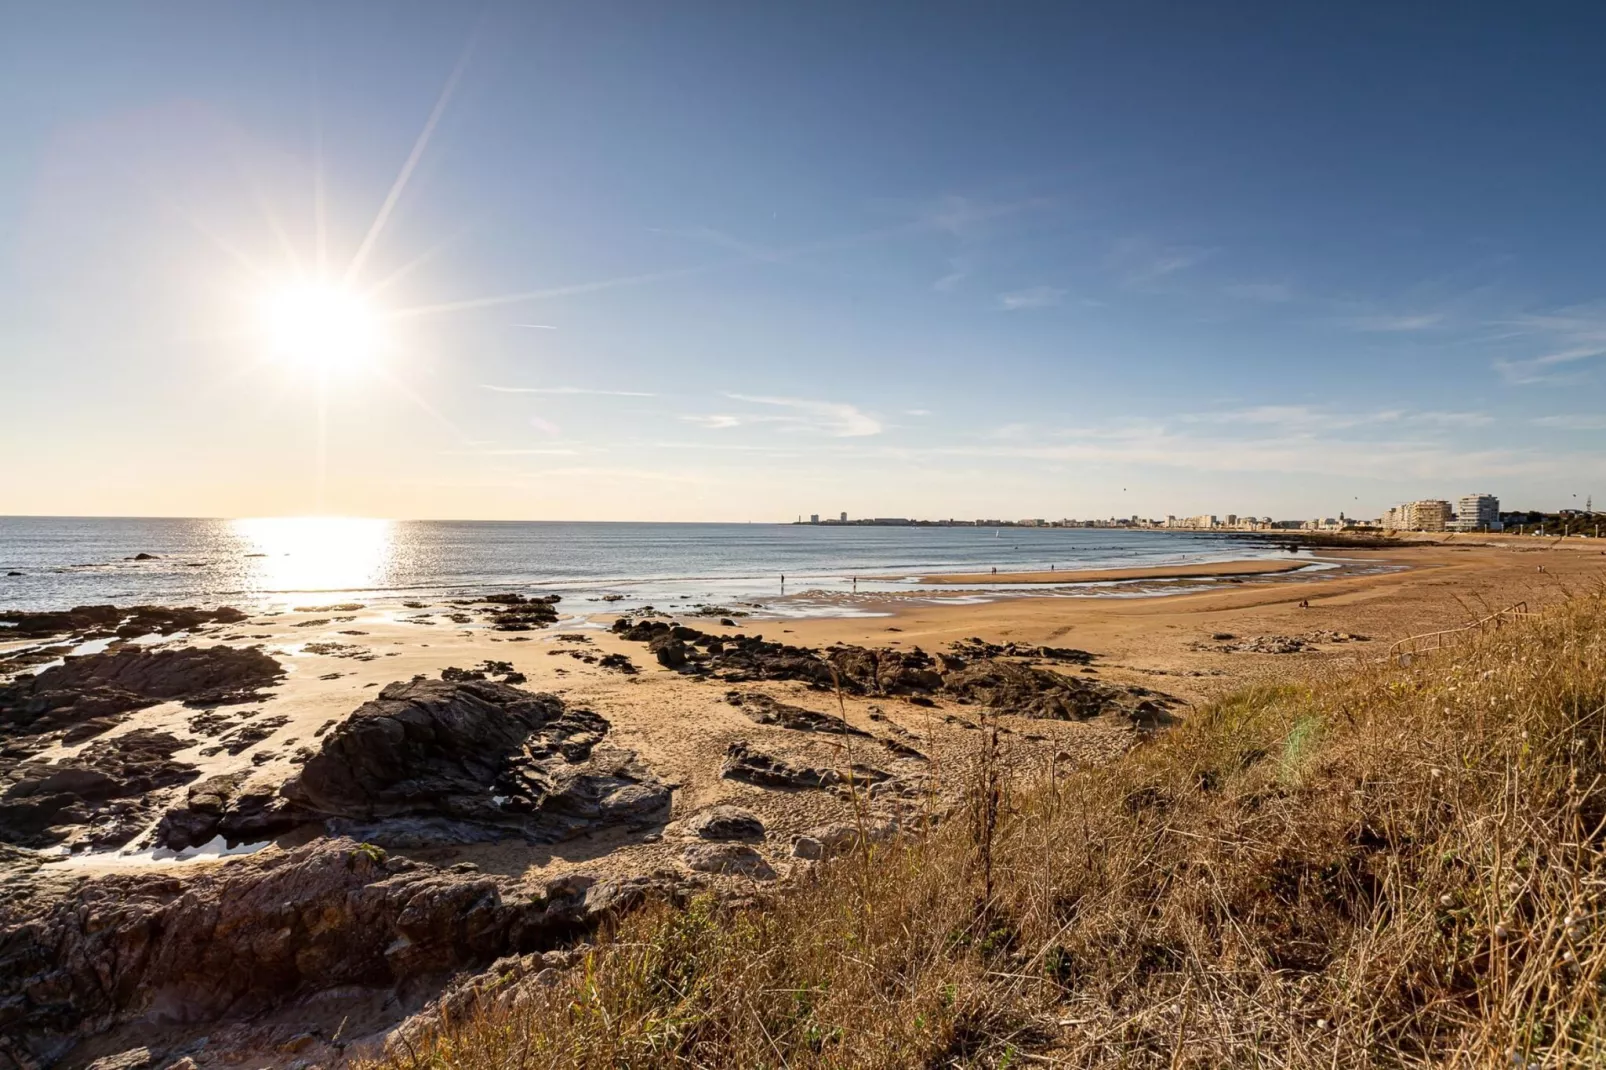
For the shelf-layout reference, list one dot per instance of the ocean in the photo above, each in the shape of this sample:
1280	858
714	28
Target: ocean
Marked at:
57	562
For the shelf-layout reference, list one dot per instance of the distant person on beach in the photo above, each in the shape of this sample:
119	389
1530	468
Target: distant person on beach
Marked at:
995	570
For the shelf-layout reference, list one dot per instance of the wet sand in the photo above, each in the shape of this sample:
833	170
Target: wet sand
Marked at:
1203	570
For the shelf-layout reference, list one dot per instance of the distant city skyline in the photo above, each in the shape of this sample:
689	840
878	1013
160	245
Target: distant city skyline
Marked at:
705	263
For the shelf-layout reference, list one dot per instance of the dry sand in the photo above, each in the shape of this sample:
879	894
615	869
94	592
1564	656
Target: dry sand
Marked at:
682	726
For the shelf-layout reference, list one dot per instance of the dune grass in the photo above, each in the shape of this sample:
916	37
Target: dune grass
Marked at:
1401	867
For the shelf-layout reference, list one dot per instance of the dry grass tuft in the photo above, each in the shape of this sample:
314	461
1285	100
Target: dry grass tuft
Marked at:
1400	868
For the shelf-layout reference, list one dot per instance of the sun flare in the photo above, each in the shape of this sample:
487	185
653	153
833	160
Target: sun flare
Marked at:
320	327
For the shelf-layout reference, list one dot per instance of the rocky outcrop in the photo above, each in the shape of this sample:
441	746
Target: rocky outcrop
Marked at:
1003	677
459	762
762	709
112	683
99	621
975	647
257	933
99	798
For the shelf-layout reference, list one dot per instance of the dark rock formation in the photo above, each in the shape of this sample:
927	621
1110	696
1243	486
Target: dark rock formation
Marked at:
98	621
513	612
100	797
440	762
1001	676
618	663
980	648
114	682
763	709
261	932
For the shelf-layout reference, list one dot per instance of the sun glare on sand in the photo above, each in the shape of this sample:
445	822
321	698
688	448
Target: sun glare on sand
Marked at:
320	327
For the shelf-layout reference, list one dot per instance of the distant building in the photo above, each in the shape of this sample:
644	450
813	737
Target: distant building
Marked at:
1477	512
814	518
844	518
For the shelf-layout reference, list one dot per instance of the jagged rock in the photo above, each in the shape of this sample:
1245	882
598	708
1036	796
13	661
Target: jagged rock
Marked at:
105	791
726	823
433	762
762	709
754	766
258	932
115	682
732	859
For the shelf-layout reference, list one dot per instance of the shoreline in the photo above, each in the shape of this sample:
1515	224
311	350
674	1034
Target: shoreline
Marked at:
1199	570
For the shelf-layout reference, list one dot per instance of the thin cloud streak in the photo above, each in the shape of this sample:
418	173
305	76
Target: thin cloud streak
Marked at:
1031	297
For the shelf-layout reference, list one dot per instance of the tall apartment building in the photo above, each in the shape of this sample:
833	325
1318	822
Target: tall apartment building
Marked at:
1477	512
1430	514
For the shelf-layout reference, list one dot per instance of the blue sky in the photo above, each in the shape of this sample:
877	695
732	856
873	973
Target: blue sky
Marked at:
734	261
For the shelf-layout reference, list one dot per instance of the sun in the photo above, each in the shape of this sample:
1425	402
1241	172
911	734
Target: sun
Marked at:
320	327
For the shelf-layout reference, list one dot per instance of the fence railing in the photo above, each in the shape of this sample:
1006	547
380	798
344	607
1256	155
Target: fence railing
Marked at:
1447	637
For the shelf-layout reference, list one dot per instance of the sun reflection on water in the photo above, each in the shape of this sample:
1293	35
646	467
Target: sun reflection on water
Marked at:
316	553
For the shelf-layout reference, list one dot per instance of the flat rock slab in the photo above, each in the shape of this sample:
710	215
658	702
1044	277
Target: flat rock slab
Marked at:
726	823
729	859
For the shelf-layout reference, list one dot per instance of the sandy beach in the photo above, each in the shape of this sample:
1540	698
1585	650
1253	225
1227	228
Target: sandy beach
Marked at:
1186	647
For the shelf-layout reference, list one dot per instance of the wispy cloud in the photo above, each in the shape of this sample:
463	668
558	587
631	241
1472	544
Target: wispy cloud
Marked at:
565	390
832	418
917	412
1415	321
1310	419
959	269
1269	292
1573	422
1569	336
1032	297
537	326
1140	262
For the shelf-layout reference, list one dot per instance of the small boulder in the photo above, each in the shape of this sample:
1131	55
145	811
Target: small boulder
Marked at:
726	823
